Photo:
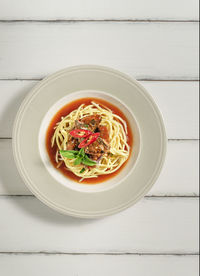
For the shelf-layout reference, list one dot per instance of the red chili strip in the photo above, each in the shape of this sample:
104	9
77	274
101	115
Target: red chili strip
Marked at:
89	140
78	133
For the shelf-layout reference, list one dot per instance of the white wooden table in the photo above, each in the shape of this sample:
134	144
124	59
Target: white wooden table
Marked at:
154	41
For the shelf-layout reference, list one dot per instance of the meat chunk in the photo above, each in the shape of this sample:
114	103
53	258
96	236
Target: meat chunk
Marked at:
90	122
104	134
72	143
97	149
80	125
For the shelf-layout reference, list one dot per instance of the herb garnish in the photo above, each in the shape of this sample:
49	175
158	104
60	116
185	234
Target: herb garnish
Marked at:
79	156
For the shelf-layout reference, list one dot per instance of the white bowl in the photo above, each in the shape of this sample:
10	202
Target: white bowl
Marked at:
132	183
99	186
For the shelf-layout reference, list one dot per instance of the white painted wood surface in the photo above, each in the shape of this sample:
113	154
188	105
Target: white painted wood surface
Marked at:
144	50
165	222
154	225
98	10
178	102
98	265
179	176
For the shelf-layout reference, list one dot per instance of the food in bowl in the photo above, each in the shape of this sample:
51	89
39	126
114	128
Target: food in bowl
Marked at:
89	140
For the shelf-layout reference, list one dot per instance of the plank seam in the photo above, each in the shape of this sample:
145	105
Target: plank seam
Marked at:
97	253
98	20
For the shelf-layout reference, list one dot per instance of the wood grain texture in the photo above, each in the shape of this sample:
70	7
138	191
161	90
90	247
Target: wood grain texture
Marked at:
95	9
178	102
98	265
179	176
167	225
144	50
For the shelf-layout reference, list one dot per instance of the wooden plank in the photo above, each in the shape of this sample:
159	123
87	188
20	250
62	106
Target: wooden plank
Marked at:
12	94
94	9
179	176
10	180
178	101
144	50
179	104
158	225
98	265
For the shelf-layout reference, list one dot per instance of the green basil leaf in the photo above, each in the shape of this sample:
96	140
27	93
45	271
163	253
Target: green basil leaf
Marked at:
66	153
81	153
82	170
87	161
78	161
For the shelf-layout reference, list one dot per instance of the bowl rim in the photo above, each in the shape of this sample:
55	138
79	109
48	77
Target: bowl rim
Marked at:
72	212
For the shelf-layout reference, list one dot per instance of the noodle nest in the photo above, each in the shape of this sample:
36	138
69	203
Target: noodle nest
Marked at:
119	148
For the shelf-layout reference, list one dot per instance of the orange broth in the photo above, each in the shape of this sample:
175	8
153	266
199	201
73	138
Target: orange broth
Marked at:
64	111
